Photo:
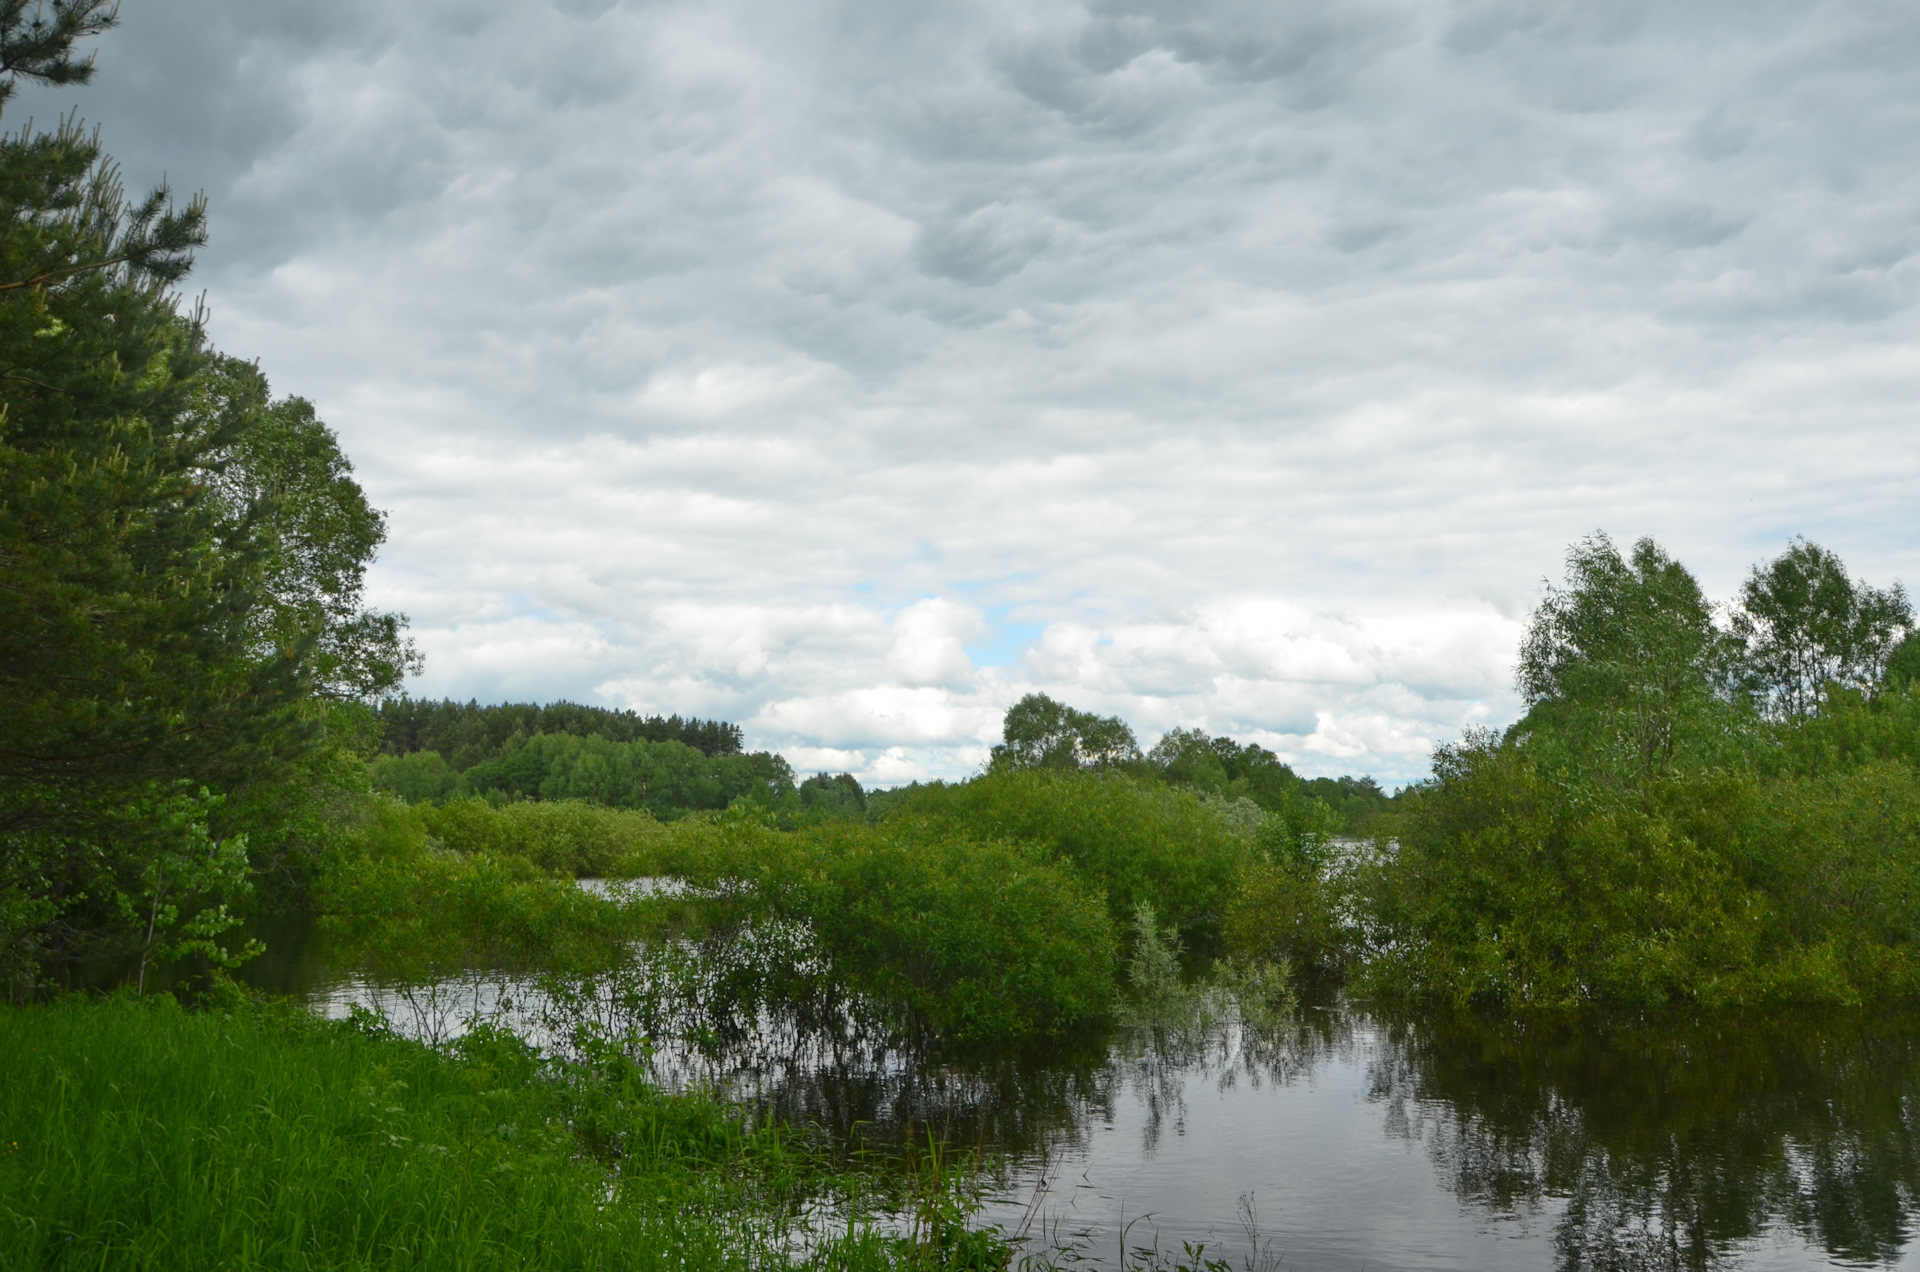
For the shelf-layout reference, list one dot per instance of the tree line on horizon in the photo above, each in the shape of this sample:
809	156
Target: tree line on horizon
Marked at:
672	766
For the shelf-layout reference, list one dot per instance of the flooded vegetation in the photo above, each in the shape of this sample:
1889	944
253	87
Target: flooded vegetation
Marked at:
1323	1134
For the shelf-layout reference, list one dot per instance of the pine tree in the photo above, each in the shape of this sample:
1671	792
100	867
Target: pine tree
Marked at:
159	648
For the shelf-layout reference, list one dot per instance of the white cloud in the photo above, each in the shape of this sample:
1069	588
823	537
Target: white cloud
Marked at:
1219	363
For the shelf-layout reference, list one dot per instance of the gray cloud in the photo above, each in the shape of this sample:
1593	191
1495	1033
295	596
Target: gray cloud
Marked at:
1255	361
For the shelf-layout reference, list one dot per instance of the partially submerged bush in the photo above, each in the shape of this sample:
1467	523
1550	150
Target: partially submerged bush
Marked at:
405	907
1287	913
568	837
974	939
1153	966
979	939
1136	841
1712	888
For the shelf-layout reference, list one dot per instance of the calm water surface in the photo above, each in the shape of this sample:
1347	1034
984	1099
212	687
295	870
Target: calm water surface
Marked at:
1345	1138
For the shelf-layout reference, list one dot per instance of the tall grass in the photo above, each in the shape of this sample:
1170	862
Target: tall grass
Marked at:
143	1136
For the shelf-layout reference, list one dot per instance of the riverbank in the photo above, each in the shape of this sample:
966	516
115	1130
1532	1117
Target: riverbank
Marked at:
257	1136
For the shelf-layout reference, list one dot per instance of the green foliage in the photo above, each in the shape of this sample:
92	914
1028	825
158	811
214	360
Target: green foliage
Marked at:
1153	966
972	938
146	1137
833	797
1503	887
1717	888
891	803
1623	669
1849	729
466	733
1287	913
405	907
978	939
668	779
1137	841
182	562
567	838
969	939
40	47
319	532
420	778
1807	626
1221	766
1837	855
1643	836
1903	662
1355	803
1042	733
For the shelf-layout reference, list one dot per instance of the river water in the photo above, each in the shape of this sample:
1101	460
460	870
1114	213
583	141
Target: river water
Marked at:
1341	1137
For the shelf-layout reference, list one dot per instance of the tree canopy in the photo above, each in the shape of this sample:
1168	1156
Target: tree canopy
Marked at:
180	558
1807	626
1692	810
1042	733
1624	662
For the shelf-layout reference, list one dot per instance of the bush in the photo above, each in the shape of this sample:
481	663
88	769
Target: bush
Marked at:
566	837
1715	888
1138	842
407	909
1286	913
422	777
668	779
975	940
1838	856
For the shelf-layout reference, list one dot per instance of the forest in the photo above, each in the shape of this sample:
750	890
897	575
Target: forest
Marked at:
1705	807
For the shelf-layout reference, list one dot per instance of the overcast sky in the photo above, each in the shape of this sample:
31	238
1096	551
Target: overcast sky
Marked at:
849	370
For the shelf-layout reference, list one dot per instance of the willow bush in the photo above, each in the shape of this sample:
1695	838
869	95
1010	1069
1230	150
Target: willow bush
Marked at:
973	939
1135	841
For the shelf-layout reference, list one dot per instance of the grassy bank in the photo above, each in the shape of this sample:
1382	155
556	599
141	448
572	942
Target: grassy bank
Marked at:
143	1136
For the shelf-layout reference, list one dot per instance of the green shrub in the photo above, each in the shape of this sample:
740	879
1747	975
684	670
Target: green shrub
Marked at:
978	939
1838	856
1136	841
567	837
668	779
1287	913
405	908
973	939
1506	888
1715	888
422	777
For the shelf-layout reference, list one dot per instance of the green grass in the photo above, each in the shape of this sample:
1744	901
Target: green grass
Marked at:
135	1135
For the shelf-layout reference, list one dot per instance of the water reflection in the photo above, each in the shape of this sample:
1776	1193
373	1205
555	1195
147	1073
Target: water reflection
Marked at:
1360	1138
1670	1144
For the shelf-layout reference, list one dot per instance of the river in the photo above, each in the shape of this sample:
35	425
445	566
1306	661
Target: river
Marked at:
1348	1137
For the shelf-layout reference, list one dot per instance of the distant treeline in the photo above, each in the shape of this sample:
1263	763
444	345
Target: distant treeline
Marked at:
670	766
1357	802
466	733
1041	733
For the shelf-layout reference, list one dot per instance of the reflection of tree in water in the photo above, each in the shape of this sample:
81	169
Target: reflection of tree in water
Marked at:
1206	1034
1671	1145
755	1011
758	1013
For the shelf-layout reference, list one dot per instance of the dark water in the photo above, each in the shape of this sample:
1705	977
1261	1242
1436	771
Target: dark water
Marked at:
1344	1137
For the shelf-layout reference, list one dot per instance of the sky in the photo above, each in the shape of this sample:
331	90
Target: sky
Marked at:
849	370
